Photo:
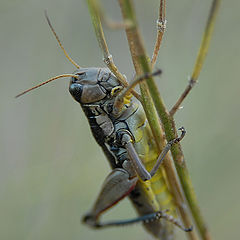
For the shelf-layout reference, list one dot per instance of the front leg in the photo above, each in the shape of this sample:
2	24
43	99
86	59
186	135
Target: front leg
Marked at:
116	186
126	140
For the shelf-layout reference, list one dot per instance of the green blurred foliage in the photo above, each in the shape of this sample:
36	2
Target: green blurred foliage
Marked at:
50	167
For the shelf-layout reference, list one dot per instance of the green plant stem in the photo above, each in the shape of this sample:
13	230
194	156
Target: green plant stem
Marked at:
170	131
161	26
141	64
95	16
201	55
177	152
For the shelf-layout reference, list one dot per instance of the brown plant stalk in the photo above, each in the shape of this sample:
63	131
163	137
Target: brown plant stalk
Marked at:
142	65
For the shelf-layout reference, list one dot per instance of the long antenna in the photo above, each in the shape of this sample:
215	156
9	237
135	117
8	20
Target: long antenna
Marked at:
43	83
59	42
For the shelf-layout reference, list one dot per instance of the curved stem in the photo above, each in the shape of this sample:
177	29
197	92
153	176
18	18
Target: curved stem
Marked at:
94	12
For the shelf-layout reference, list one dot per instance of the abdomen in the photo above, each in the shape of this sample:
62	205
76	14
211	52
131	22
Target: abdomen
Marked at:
152	195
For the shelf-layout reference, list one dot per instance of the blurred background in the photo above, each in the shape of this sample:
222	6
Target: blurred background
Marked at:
51	169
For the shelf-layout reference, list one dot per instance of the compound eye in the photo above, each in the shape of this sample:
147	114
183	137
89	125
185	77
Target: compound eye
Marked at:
76	91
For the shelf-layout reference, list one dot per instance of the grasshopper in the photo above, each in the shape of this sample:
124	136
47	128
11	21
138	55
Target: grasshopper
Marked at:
119	125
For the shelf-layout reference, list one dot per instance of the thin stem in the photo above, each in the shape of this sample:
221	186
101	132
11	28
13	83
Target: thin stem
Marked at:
111	24
161	26
201	54
177	152
170	131
93	9
119	101
141	65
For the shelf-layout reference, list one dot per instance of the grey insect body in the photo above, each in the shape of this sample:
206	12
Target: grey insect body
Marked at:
96	90
119	125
